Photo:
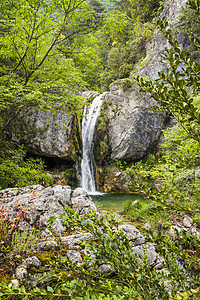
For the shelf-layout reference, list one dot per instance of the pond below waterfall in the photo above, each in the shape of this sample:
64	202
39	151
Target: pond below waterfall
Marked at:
114	202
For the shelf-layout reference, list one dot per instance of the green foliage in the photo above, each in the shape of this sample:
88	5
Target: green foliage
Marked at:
36	72
122	39
15	170
14	242
122	47
168	178
129	277
140	211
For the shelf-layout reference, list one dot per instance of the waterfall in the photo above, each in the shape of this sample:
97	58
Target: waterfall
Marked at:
88	128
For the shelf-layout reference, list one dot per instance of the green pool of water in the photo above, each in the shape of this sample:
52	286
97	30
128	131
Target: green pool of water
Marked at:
114	202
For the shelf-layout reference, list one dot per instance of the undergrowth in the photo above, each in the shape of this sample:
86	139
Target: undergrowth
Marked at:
128	277
169	180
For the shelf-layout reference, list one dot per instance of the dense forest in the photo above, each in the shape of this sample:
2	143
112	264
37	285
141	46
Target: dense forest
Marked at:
52	50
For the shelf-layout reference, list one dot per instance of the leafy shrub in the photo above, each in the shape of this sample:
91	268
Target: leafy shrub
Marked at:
13	242
15	170
139	211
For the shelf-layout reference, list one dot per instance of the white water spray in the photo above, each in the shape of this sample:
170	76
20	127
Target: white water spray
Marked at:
88	129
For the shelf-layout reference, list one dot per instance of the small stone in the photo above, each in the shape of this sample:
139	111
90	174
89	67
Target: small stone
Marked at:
21	273
106	269
15	282
46	246
57	227
147	226
133	234
74	256
135	204
187	221
31	261
46	233
172	230
153	204
74	240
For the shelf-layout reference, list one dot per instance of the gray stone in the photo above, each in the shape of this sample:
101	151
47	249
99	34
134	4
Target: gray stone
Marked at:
187	221
40	203
21	273
55	133
106	269
135	204
172	231
133	234
15	282
81	202
153	258
74	240
135	129
46	234
57	227
46	246
74	256
31	261
153	204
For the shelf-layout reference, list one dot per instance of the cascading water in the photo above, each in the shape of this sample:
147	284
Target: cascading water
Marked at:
88	128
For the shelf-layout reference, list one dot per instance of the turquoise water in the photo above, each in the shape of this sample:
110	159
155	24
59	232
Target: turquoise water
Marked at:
114	202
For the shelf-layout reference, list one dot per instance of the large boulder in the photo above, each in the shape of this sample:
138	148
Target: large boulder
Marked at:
54	130
134	128
37	204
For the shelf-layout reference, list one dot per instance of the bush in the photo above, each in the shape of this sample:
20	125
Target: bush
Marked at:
14	243
15	170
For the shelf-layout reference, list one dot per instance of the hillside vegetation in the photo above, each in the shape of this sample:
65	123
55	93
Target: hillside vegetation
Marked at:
49	52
